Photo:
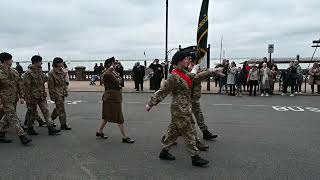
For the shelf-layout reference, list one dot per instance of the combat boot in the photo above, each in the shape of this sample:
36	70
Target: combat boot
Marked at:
208	136
65	127
165	155
198	161
25	140
42	123
4	139
53	131
201	146
32	132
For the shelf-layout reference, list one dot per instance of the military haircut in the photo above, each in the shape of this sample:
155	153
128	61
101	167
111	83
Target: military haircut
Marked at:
56	61
35	59
5	57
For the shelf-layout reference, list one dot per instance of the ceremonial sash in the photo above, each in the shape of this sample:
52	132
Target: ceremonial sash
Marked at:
183	76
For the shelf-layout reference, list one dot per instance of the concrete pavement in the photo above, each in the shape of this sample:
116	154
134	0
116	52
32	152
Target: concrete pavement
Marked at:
259	138
83	86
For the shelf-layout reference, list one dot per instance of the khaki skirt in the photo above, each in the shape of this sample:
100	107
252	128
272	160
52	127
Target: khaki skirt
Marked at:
112	108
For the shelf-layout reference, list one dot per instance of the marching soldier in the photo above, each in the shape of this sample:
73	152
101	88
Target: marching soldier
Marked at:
37	117
36	95
179	85
8	96
195	99
58	92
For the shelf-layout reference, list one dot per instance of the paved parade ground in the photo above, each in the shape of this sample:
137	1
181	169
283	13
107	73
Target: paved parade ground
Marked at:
259	138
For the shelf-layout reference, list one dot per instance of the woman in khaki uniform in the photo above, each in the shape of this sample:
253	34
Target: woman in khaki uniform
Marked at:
112	101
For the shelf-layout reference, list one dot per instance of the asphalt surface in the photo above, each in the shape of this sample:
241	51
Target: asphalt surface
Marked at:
256	141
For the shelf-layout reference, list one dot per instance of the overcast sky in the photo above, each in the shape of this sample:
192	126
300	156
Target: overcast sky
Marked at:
96	29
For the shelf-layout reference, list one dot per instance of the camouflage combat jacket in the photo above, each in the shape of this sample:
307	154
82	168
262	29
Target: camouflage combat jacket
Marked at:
181	97
57	84
196	86
10	85
34	84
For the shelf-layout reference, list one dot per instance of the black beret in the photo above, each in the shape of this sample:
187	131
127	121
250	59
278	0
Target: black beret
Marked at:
178	56
5	56
35	59
57	60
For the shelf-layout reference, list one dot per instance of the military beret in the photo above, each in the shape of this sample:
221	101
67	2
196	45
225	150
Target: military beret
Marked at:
36	58
178	56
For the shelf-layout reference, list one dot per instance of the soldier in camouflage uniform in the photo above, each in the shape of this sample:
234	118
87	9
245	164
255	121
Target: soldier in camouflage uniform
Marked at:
35	94
179	85
28	116
196	109
8	96
58	92
20	93
195	99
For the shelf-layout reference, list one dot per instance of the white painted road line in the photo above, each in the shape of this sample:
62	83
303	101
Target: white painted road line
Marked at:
257	105
133	102
221	104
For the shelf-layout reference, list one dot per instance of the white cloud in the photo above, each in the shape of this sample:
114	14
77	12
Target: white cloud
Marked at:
80	29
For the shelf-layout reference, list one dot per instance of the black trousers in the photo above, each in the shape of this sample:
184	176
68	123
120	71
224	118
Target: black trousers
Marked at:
318	88
139	85
253	87
232	89
157	84
285	88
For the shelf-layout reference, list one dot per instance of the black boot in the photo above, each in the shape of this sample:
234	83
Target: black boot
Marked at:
201	146
101	135
127	140
53	131
25	140
54	124
208	136
4	139
65	127
42	123
32	132
198	161
165	155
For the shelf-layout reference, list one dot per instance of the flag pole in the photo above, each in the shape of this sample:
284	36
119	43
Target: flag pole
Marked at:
166	55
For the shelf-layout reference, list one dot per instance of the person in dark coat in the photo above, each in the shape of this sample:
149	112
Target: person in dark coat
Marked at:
158	75
119	69
112	101
138	73
100	72
19	69
223	80
289	79
240	78
96	75
245	70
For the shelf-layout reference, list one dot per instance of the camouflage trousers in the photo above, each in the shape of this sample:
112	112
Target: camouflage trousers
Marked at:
181	126
10	119
197	112
28	116
59	111
32	113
